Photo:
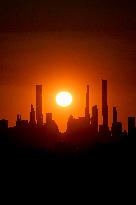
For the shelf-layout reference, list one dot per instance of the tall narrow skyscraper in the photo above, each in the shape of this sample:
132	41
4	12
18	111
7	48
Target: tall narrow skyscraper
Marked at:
104	103
114	115
87	114
39	115
94	119
32	116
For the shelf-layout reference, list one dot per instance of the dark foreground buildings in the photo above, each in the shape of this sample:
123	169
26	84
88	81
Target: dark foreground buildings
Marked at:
131	126
39	115
104	129
116	128
3	124
104	104
83	131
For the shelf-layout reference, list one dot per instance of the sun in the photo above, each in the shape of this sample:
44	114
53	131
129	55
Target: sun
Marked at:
64	99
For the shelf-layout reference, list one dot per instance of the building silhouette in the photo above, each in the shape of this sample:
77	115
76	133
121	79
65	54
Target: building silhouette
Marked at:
114	115
51	126
32	116
77	130
48	118
39	115
81	131
21	123
87	114
3	124
81	124
104	103
131	126
116	128
94	119
104	129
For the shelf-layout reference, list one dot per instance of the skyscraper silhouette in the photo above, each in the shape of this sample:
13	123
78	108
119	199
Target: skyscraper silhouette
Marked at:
114	115
39	116
32	116
87	114
116	128
104	103
104	129
94	119
48	118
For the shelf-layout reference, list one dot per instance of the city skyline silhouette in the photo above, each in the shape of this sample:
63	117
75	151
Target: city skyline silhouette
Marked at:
86	48
87	123
35	139
66	45
36	114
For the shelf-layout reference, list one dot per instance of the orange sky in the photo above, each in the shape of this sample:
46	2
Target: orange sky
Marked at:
66	61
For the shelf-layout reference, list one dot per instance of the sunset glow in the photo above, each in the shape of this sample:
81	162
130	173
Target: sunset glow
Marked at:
63	99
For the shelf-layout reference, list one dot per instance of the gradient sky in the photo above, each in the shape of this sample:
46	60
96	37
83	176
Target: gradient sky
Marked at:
64	45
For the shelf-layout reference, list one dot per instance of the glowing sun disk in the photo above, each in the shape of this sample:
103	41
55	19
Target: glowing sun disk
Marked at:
64	99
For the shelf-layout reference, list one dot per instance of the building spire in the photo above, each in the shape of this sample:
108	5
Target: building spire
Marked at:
39	115
104	103
87	114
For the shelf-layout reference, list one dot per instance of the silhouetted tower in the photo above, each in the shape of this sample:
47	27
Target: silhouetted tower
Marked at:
32	116
116	128
21	123
39	116
87	115
131	125
48	118
104	103
51	126
114	115
3	124
18	117
94	119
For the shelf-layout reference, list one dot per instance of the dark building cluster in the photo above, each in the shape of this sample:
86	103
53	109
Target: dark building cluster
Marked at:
84	130
36	118
87	127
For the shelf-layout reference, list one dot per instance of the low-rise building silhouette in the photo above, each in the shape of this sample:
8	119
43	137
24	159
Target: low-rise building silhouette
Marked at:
3	124
51	126
21	123
131	126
